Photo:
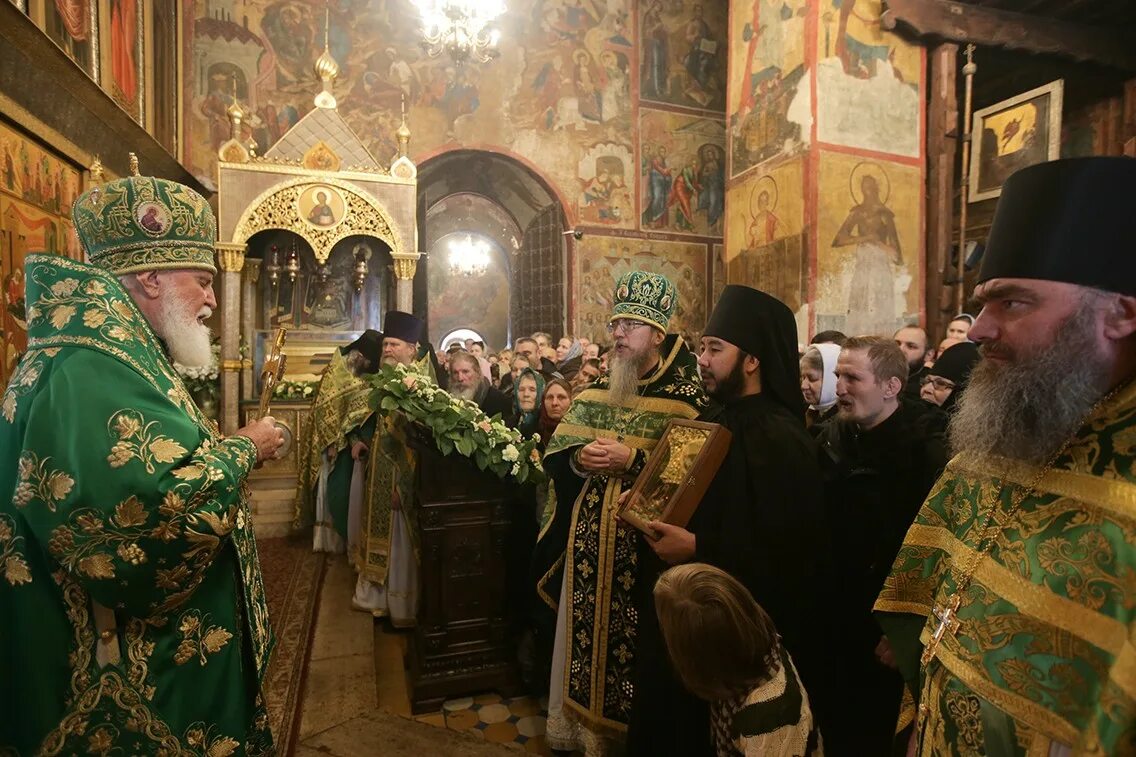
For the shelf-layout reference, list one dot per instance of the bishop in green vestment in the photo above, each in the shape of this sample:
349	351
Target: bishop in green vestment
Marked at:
132	613
339	415
1011	608
587	559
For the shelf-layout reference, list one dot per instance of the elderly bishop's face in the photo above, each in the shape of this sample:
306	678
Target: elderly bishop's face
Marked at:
185	301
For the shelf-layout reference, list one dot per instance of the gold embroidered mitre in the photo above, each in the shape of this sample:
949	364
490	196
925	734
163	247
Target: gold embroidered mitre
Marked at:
142	223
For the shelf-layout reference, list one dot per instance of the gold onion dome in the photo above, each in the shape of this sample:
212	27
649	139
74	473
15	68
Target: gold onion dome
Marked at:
326	67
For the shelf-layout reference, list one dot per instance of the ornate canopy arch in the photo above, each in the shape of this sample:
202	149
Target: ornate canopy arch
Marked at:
279	208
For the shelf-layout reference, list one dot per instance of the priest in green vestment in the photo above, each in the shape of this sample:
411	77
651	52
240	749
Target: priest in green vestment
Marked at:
338	416
387	585
132	613
586	558
1011	608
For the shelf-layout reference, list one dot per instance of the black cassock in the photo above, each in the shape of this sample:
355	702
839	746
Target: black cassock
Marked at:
762	521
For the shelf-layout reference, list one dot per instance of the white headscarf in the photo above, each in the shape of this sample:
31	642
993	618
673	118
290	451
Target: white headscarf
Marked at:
828	354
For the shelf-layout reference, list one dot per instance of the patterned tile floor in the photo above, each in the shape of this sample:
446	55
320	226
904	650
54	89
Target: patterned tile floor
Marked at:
519	720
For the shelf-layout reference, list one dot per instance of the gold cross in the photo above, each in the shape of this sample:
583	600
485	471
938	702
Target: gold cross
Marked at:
947	623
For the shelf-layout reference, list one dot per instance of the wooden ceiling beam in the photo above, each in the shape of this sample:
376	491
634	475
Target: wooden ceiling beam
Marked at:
963	22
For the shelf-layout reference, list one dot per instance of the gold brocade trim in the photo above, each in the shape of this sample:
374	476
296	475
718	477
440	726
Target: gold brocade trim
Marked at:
636	442
902	607
608	536
78	613
588	716
110	684
1016	706
1032	599
1114	496
1123	670
138	651
553	603
665	365
1039	746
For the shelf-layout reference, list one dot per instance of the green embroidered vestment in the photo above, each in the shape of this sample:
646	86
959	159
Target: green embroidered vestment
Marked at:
132	613
1044	653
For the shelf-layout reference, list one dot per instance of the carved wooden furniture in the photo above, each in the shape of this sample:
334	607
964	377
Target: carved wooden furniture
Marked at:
462	644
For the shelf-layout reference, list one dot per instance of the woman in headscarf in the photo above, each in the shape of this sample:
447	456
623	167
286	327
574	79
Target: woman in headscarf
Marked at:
818	384
555	401
527	394
948	377
569	357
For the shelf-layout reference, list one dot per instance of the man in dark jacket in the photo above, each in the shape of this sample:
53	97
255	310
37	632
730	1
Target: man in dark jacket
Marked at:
761	520
880	459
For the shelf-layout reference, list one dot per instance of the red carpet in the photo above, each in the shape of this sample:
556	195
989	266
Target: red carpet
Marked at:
293	575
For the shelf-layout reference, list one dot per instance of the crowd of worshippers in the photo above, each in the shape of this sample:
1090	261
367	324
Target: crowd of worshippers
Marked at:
841	588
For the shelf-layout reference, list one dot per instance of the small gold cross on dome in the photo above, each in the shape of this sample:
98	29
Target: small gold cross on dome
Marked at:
948	623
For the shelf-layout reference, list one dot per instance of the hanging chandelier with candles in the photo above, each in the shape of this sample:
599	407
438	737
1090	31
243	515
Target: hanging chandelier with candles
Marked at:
468	256
462	28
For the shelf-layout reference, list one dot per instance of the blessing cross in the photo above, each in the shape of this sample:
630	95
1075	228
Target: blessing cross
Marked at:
947	623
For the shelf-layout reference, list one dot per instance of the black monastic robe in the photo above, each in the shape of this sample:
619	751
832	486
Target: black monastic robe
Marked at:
761	521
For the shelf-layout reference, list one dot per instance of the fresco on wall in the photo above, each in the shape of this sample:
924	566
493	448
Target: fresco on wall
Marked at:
718	269
766	231
601	260
560	87
122	49
683	173
867	81
480	303
683	53
72	25
606	188
769	88
869	245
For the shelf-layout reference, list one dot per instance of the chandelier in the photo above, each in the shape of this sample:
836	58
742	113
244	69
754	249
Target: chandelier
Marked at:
469	257
461	28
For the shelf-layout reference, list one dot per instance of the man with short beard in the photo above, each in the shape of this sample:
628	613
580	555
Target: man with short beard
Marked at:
1010	605
758	520
912	341
387	585
340	408
879	457
132	609
586	559
467	383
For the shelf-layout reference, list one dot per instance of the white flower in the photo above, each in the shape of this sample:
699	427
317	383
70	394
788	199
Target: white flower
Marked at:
516	468
510	453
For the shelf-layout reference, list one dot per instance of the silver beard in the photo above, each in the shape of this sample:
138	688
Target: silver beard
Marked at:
464	392
623	378
1027	409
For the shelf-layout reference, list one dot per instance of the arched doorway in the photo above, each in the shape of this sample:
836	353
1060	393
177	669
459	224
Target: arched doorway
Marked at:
477	192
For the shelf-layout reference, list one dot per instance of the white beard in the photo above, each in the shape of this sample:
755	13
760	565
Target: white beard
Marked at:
188	341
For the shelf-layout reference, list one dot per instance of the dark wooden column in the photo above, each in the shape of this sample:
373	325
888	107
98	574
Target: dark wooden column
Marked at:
942	155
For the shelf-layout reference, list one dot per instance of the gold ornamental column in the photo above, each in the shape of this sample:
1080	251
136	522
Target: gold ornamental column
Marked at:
405	265
230	259
248	323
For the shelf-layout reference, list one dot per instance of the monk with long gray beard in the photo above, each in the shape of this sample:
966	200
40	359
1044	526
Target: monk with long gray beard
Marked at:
1010	608
586	559
468	383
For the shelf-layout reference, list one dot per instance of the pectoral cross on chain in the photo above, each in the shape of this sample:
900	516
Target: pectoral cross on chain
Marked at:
948	623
